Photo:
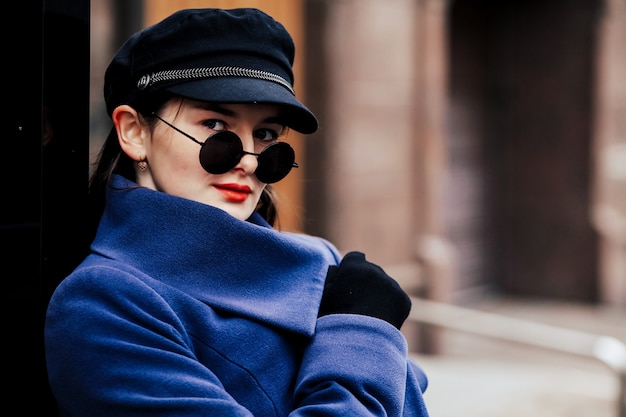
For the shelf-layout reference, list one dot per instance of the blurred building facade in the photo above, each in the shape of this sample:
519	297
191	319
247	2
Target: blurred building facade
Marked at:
472	147
482	141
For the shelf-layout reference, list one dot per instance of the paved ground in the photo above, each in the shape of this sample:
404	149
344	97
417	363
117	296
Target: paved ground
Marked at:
483	377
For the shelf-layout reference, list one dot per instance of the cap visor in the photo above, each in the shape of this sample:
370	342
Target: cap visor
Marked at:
250	90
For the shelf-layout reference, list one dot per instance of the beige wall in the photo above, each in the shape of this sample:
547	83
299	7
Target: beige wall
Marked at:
382	115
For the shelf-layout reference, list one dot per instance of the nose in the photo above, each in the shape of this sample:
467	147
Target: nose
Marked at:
249	161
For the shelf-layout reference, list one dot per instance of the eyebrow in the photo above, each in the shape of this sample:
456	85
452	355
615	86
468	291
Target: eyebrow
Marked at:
218	108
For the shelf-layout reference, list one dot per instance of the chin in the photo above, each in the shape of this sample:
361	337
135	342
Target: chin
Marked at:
239	212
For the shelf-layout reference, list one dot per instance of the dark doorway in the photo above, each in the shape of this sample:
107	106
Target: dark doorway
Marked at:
521	96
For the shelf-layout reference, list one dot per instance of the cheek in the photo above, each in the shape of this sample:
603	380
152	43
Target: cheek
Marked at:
187	161
176	155
170	163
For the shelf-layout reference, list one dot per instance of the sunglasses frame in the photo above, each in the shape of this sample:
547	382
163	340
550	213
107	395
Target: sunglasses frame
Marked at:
261	175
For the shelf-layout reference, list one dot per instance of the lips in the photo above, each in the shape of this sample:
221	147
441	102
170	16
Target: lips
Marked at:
234	192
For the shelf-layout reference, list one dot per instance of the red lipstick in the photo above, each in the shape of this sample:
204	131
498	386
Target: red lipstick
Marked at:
234	192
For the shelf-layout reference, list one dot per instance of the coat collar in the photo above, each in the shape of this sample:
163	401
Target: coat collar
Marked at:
243	267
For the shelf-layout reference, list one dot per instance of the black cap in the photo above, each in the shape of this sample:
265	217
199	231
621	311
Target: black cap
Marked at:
214	55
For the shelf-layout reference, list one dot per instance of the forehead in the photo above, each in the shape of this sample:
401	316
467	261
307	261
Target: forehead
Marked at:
272	112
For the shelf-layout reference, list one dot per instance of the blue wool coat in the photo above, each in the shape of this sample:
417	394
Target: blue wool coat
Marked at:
183	310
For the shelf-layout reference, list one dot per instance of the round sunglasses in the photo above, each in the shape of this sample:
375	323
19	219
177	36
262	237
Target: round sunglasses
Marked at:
223	150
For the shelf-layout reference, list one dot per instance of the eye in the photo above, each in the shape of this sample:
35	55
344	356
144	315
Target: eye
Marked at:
266	135
214	124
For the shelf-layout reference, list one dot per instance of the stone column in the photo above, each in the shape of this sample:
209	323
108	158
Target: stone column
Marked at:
609	205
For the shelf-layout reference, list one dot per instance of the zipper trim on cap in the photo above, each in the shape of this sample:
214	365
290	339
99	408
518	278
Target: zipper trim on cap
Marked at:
150	80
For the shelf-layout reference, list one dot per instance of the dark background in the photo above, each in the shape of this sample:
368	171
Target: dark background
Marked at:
45	170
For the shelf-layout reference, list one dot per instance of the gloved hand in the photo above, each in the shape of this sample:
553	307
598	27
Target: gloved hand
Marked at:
357	286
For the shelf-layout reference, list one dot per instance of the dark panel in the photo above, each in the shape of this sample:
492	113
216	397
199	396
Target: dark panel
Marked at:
540	102
20	222
521	96
45	167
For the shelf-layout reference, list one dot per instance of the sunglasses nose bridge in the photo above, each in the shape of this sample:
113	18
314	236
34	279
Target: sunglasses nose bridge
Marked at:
250	153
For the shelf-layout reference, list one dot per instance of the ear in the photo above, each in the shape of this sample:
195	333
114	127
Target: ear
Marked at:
132	134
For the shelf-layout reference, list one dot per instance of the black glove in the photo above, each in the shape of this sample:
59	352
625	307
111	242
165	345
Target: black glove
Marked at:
358	286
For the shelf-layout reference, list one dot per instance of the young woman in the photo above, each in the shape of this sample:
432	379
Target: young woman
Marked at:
190	303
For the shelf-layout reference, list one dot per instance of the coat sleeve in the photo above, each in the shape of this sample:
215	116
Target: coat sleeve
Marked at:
358	366
114	348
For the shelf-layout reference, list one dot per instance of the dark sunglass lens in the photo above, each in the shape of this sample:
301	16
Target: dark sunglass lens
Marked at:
221	152
275	162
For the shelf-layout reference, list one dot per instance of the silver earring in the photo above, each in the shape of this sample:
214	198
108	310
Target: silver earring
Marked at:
142	165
